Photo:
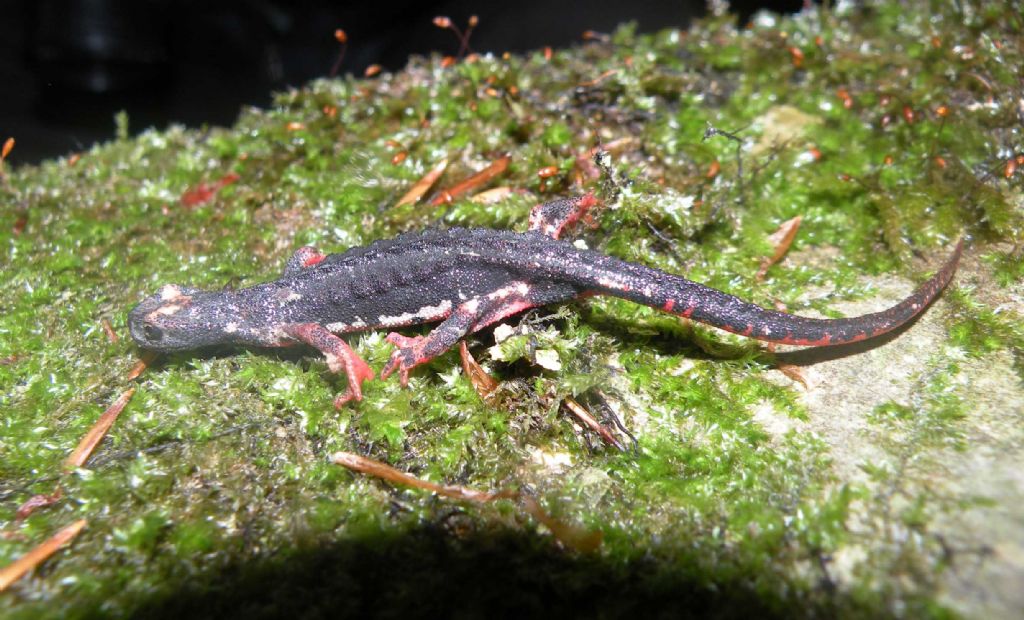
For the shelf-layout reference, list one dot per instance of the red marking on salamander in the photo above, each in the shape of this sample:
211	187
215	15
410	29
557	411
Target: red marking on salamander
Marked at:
504	312
820	342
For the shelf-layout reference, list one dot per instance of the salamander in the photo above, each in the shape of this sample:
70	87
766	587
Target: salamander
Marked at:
466	279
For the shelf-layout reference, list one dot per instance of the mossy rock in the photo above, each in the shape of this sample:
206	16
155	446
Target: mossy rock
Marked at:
880	479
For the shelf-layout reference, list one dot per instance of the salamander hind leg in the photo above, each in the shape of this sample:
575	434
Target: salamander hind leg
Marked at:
339	357
305	257
551	218
411	352
470	316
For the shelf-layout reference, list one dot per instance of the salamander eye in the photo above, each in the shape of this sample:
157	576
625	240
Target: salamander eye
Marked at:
153	333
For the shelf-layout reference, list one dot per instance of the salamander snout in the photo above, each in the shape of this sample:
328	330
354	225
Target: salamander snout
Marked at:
175	319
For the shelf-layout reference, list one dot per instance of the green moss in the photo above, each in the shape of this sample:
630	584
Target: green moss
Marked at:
981	329
1008	267
215	481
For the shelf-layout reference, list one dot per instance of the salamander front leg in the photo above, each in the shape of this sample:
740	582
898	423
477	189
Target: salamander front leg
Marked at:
339	357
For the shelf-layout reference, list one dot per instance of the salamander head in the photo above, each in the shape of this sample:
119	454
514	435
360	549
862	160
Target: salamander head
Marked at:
179	318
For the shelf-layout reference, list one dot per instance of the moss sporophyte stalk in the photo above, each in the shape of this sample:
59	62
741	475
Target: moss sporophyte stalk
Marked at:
861	483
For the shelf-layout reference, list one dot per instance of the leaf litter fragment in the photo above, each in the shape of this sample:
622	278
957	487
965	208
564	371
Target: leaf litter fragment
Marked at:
781	239
477	180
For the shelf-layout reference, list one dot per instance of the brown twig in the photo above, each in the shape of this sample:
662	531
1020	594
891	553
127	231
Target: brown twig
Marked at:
108	329
480	178
795	373
484	383
594	82
577	411
365	465
423	186
36	502
485	386
569	535
98	431
140	366
38	554
582	540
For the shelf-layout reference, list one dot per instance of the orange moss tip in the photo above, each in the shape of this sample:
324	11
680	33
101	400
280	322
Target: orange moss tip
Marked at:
846	98
713	169
593	35
797	56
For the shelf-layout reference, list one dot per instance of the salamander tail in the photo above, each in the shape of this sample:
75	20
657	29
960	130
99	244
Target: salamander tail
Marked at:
689	299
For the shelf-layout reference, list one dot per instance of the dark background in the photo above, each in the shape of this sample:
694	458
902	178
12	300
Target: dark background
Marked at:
66	66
